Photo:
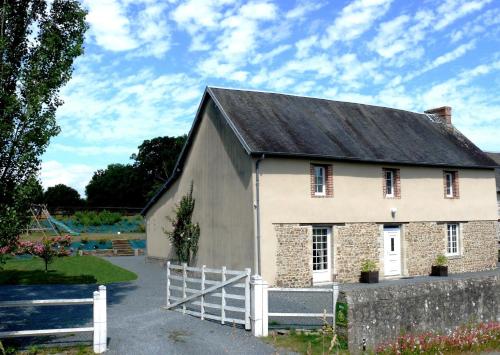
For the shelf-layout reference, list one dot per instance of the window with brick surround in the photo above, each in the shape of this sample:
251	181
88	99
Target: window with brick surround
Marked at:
450	182
321	180
391	183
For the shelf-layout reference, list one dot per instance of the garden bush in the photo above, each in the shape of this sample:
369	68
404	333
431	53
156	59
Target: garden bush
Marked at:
93	218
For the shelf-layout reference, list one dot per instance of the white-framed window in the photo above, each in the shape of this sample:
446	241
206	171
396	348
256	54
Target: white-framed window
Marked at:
452	239
449	184
319	180
320	249
389	183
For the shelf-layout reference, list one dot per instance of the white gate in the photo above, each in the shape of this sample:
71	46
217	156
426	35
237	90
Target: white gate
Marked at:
217	294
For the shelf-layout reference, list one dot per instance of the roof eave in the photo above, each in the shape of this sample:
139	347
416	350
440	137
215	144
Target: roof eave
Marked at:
351	159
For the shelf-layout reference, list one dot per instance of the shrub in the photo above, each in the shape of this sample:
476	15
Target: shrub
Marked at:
85	240
46	249
102	241
93	218
368	266
441	260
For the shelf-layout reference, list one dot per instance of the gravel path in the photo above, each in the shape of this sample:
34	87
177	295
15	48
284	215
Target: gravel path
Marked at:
136	324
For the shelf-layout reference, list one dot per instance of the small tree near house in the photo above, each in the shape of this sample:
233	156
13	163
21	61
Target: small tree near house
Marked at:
185	234
47	249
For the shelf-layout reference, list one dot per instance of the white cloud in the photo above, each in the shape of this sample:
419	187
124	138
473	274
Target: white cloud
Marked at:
302	9
118	26
452	10
74	175
92	150
354	19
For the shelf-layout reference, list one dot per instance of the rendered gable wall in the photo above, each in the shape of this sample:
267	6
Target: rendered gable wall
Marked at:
221	172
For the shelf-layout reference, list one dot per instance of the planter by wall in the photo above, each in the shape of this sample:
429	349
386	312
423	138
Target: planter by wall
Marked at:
439	270
369	277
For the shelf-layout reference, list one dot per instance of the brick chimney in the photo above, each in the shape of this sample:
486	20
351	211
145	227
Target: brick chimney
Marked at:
442	112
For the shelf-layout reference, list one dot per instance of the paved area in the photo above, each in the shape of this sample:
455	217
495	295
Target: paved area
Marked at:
136	325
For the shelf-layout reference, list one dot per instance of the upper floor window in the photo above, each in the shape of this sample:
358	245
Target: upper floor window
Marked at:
451	184
321	180
452	238
391	183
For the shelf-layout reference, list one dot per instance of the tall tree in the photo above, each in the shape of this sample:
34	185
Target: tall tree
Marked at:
116	186
155	161
39	40
61	195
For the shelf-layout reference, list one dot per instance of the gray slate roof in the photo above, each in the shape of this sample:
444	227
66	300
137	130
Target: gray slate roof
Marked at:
278	124
295	126
496	158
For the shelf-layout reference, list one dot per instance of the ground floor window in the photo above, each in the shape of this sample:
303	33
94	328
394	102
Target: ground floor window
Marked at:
320	249
452	232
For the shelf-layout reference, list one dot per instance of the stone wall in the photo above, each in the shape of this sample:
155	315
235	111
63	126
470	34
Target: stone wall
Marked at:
423	242
380	314
354	243
426	240
479	248
293	255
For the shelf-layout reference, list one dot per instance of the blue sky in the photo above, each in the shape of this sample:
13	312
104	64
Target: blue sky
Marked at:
147	63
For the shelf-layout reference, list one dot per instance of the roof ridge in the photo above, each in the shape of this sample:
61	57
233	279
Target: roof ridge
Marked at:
313	97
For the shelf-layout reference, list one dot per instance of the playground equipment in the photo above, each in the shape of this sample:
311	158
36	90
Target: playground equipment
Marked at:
42	221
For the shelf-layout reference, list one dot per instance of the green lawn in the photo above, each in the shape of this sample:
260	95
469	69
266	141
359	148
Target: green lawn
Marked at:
306	343
67	270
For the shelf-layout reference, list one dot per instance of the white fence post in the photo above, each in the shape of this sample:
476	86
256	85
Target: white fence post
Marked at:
184	275
168	283
100	321
202	298
335	296
223	297
247	299
259	309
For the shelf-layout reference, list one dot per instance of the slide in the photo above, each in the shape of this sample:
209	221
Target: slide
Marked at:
60	225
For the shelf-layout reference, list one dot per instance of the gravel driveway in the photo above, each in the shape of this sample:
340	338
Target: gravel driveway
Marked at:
136	324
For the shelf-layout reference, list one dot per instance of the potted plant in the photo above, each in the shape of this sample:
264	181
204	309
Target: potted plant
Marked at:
369	272
440	267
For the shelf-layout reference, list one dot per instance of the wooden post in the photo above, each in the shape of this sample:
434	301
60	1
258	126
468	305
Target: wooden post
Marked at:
168	284
184	275
247	299
202	299
100	321
223	298
259	310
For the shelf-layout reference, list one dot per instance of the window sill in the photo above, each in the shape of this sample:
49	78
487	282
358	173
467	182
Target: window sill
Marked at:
454	256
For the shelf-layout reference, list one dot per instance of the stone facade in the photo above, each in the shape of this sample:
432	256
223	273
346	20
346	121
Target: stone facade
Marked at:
423	241
294	255
426	240
354	243
479	248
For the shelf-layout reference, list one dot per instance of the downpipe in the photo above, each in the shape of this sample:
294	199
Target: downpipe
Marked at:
257	216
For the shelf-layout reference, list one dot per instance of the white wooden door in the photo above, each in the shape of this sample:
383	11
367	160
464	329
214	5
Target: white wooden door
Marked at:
392	251
321	254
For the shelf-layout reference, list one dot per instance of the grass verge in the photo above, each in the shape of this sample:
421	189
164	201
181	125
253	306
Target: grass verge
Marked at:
68	270
306	343
39	350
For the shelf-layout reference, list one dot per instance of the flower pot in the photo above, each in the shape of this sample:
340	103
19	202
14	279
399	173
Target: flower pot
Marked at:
369	277
439	270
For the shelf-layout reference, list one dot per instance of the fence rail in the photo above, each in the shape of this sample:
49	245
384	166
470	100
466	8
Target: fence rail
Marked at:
209	288
334	290
99	328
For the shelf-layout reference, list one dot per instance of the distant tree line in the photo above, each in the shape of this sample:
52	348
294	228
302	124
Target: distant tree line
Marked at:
122	185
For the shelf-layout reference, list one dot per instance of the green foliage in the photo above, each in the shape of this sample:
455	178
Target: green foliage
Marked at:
441	260
116	186
38	44
184	235
62	196
93	218
368	266
155	161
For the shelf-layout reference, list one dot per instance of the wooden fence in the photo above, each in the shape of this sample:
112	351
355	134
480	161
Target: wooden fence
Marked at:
194	292
99	327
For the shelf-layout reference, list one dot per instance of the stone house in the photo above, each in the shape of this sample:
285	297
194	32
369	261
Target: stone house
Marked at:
496	158
303	190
